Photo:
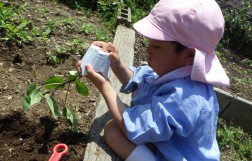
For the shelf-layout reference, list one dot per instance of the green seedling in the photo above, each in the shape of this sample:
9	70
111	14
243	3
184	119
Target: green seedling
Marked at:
61	50
220	55
51	25
35	31
88	28
52	58
12	26
19	32
46	34
247	61
68	23
35	93
239	80
77	5
22	8
77	46
43	11
75	42
102	35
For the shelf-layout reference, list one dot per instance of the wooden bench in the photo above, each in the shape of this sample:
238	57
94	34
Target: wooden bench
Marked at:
97	149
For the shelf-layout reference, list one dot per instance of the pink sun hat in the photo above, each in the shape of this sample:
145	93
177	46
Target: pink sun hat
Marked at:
197	24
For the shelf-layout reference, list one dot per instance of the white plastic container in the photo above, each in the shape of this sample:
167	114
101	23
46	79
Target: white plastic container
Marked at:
98	59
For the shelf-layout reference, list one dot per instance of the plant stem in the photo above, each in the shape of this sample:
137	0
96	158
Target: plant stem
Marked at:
66	95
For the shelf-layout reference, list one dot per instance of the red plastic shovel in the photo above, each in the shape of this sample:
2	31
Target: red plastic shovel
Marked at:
58	152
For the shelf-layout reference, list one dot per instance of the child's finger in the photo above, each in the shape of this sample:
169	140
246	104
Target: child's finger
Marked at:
99	43
91	73
111	48
78	66
106	46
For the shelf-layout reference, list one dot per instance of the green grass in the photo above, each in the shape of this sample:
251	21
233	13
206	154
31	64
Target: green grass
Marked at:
234	141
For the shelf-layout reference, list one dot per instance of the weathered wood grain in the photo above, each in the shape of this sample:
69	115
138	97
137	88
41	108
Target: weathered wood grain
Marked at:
97	149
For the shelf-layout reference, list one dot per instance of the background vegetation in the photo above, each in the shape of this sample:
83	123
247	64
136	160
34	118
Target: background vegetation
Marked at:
14	28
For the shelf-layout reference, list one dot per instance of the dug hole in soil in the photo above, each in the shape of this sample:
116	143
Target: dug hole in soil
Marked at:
31	135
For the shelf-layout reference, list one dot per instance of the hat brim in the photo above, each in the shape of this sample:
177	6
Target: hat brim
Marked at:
148	29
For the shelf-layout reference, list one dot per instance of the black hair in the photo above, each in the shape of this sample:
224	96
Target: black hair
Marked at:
179	47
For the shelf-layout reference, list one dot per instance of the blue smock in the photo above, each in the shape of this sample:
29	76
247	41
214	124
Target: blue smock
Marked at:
176	114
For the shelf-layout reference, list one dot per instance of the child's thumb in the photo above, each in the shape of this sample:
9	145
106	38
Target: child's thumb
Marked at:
89	68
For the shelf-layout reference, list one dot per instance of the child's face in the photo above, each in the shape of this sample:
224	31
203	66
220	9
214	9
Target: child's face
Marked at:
163	58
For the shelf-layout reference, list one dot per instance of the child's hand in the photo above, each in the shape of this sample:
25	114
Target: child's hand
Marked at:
120	70
113	52
78	66
96	78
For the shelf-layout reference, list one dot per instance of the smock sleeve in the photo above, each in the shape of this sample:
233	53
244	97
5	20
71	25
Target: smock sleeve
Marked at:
138	75
165	115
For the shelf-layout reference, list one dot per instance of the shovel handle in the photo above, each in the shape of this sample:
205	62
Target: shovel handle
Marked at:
58	153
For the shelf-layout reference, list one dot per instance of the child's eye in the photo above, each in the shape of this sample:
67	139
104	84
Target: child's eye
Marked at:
156	46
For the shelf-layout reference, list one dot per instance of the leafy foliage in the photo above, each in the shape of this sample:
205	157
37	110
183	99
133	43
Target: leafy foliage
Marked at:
77	4
238	29
235	140
88	28
12	26
140	9
34	95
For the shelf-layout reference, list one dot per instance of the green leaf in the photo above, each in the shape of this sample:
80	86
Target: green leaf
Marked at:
33	96
74	123
71	118
1	4
73	75
47	32
66	112
81	88
53	105
54	82
23	24
10	27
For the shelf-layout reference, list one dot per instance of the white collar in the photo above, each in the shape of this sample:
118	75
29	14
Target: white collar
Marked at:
176	74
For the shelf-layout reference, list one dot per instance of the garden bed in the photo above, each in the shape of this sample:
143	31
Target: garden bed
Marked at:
31	135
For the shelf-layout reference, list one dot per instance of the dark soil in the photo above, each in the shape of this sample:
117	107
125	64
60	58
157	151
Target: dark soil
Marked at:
31	135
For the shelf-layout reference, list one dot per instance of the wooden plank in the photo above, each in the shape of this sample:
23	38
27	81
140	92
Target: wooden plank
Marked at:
97	149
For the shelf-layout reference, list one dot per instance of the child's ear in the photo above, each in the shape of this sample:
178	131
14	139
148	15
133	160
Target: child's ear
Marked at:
190	56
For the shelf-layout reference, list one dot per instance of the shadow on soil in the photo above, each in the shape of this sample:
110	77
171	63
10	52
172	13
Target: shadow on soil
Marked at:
19	135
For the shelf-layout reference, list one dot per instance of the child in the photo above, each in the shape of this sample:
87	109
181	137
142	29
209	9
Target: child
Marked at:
174	109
